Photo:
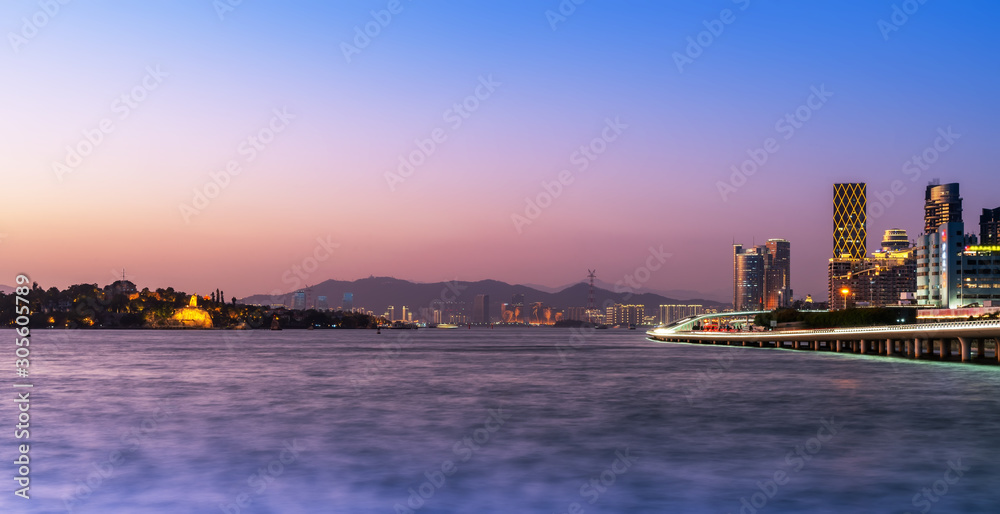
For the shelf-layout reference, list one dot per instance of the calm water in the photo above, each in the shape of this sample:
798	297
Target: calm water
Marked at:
522	419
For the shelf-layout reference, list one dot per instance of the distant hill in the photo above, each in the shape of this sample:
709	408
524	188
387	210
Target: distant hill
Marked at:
377	293
683	295
6	289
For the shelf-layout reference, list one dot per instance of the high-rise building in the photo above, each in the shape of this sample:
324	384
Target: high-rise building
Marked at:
390	313
989	227
299	300
953	272
748	294
850	221
942	204
481	309
322	303
348	303
407	315
777	274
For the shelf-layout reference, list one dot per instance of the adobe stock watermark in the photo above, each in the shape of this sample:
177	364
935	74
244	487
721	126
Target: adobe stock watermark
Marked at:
795	462
260	480
631	283
592	490
463	449
372	368
122	106
899	16
582	158
787	126
30	26
224	7
363	36
712	372
914	167
713	30
249	149
566	8
105	470
454	117
928	496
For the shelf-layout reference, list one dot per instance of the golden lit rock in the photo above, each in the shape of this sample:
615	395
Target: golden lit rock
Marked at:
192	316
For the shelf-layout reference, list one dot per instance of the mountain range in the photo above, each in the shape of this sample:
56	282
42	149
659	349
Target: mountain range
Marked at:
377	293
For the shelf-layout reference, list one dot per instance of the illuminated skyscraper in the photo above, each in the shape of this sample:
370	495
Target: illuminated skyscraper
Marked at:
942	204
348	303
748	278
762	276
777	274
850	221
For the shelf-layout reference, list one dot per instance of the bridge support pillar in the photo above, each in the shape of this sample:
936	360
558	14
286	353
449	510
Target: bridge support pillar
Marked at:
918	347
981	348
864	347
966	344
838	344
888	347
908	348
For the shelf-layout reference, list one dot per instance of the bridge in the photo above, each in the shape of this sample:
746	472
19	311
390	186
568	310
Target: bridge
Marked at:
913	341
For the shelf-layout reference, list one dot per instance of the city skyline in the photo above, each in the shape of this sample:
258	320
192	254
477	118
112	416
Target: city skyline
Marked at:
318	135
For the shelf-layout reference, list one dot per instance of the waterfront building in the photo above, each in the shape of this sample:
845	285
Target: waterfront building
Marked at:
850	221
624	315
762	276
322	303
748	279
777	274
953	270
348	303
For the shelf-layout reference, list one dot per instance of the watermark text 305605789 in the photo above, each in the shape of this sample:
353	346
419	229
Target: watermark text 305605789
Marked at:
22	340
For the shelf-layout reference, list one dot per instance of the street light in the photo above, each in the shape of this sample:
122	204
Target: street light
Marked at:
845	291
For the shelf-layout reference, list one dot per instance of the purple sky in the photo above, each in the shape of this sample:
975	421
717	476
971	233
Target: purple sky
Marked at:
490	104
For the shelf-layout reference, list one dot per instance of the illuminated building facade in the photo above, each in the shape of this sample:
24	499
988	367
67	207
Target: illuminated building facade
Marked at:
877	281
850	221
619	314
942	204
762	276
748	279
777	274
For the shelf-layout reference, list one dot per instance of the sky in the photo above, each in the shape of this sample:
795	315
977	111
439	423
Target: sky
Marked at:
205	145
